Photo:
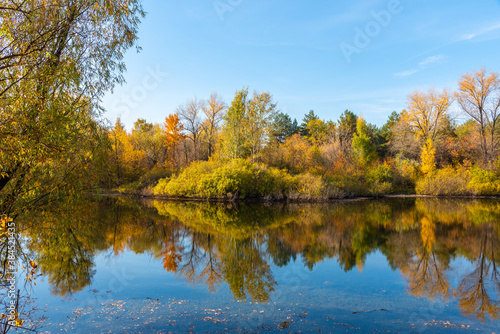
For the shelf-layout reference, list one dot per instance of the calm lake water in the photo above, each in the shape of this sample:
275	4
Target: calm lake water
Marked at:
392	265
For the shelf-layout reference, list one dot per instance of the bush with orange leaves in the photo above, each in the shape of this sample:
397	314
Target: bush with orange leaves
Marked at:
297	155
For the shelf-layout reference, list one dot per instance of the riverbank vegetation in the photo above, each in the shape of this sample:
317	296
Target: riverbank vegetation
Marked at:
443	143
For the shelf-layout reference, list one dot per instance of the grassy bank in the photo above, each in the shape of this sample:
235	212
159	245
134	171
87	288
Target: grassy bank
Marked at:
459	182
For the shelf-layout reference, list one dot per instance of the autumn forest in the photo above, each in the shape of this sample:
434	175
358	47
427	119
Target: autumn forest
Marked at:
211	149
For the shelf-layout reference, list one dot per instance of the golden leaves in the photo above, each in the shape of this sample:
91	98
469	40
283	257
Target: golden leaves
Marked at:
19	322
426	111
474	90
59	58
428	157
4	224
4	221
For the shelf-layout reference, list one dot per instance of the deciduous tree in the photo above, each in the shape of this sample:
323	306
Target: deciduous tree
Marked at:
403	141
428	164
426	112
130	161
233	135
362	145
173	133
190	113
149	139
479	98
213	108
261	111
248	124
57	59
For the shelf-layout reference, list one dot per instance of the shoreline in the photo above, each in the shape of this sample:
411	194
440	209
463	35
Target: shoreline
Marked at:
288	200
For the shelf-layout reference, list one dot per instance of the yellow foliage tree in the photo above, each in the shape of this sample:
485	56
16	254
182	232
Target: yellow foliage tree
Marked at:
428	157
129	161
427	111
427	228
171	259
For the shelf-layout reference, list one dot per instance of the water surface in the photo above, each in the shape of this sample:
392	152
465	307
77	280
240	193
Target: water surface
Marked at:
395	265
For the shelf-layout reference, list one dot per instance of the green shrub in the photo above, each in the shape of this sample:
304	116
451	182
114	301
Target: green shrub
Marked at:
144	185
380	174
380	188
380	180
451	181
187	182
243	179
483	182
238	178
160	188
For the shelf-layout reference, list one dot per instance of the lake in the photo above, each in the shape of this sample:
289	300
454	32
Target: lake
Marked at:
118	265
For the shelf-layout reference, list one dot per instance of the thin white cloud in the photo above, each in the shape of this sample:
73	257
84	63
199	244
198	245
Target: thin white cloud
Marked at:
430	60
406	73
421	65
467	37
484	31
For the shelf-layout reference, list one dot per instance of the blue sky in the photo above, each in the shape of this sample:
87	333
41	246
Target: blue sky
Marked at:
325	55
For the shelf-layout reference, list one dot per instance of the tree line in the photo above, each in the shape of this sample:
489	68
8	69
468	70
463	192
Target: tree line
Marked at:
413	146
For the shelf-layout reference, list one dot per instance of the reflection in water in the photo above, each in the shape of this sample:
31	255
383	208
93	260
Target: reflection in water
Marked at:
212	243
472	292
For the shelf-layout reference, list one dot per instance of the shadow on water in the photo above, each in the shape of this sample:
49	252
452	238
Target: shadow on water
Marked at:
239	245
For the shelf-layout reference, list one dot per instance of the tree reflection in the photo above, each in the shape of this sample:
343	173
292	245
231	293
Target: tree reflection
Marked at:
211	274
237	244
65	251
246	271
476	288
426	269
426	276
